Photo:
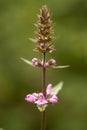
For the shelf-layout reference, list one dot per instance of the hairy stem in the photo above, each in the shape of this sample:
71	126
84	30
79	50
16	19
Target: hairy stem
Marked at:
43	114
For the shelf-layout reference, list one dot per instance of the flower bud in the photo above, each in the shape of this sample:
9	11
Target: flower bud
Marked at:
50	63
36	62
44	32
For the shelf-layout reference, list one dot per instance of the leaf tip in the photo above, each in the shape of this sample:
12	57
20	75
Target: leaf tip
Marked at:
26	61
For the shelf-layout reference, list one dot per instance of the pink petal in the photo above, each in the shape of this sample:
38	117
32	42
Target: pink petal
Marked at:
48	90
53	99
31	97
41	99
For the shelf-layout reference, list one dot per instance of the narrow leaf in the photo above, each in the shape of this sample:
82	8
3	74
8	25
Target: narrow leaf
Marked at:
57	88
33	40
27	61
61	67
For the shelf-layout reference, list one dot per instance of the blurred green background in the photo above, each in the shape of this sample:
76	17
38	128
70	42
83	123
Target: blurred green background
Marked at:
18	79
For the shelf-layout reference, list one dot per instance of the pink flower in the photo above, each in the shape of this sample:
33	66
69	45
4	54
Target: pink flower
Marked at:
50	63
51	97
48	90
42	101
31	97
36	62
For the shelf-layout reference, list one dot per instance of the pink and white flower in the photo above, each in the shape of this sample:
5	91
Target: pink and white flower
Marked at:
42	101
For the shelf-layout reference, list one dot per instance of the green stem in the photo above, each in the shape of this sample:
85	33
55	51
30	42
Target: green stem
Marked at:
43	114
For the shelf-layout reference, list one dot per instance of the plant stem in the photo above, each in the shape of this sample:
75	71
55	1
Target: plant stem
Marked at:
43	114
43	119
44	75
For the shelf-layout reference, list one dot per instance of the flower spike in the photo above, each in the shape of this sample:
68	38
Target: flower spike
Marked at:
44	36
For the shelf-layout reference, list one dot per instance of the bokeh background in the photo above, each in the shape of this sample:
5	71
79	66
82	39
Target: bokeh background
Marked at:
17	18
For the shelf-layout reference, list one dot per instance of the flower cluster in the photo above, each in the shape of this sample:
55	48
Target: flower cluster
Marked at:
44	32
38	63
42	101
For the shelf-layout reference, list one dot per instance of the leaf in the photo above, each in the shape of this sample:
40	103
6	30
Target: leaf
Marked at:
33	40
42	108
27	61
61	67
57	88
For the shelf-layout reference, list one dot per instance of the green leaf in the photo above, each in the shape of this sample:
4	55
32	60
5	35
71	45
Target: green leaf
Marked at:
27	61
57	88
33	40
42	108
60	67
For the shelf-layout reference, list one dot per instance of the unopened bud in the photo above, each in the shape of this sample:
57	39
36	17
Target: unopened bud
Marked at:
46	64
52	62
34	60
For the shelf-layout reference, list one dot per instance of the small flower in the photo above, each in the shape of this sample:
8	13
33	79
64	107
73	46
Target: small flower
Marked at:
41	99
51	97
36	62
50	63
31	97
